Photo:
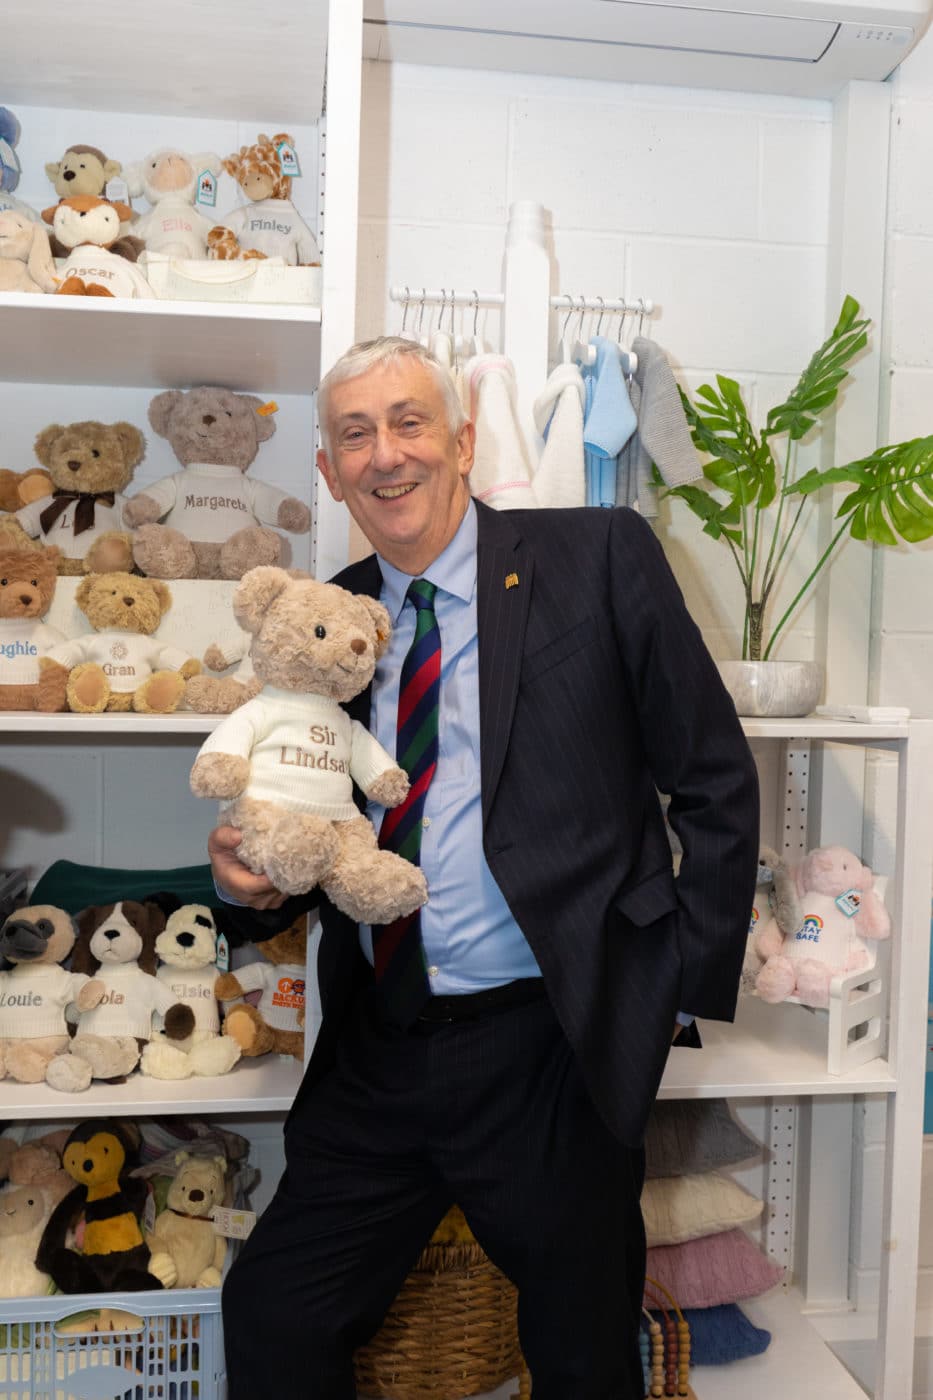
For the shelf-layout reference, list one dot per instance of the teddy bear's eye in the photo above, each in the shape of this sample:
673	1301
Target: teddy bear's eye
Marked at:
320	632
34	582
4	582
94	452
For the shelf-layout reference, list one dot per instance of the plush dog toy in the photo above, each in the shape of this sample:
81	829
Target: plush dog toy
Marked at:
270	225
27	587
36	993
187	949
116	945
89	464
830	925
99	258
169	180
286	762
26	263
113	1254
215	520
275	1025
186	1250
120	665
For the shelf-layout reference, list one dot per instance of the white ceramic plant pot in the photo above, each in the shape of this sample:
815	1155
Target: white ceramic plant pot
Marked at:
773	689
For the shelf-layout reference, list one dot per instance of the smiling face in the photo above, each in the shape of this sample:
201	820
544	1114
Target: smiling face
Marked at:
396	463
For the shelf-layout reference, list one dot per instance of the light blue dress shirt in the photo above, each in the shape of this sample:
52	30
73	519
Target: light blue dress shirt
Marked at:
471	940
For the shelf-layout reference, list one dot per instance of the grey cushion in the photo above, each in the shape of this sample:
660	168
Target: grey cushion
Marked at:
695	1135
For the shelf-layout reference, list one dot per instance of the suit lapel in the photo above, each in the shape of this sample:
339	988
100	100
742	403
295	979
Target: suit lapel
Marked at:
504	579
363	577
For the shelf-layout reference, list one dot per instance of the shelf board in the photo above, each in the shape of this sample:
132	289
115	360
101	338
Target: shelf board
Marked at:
266	1085
211	59
64	725
770	1051
160	344
797	1362
816	727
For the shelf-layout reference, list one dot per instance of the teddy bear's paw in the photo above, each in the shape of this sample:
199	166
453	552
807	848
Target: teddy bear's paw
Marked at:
215	1056
25	1064
161	694
109	1056
390	788
88	689
776	980
160	552
248	549
163	1267
384	887
294	516
52	694
72	287
220	775
68	1073
210	695
222	243
210	1278
244	1025
161	1061
110	553
301	848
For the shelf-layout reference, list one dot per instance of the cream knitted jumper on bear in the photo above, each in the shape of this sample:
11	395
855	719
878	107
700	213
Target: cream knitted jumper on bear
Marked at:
195	987
33	1000
208	502
62	533
126	658
283	992
22	641
120	277
305	752
127	1005
274	227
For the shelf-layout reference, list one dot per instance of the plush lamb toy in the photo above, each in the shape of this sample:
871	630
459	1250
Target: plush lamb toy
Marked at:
186	1250
213	516
187	948
24	1214
36	993
116	945
285	763
169	180
270	225
830	926
25	257
99	258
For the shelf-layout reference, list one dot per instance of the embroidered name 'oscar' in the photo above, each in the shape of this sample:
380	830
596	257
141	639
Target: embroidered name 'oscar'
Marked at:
294	756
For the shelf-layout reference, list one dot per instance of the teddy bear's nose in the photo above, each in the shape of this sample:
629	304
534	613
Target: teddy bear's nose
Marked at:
208	419
128	600
74	465
88	1164
111	933
69	175
196	1196
185	940
25	599
357	646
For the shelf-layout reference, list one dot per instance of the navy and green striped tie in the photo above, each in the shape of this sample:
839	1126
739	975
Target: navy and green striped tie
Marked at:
398	953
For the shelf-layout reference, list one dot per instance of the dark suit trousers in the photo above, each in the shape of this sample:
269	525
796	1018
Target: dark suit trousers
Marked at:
490	1113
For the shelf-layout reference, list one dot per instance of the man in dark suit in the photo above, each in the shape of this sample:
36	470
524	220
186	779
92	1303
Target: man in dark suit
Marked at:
558	949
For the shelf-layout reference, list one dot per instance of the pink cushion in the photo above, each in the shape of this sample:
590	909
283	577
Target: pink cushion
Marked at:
719	1268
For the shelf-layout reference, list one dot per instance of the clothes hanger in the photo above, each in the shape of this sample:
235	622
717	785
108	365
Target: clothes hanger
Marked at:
422	336
442	345
627	358
477	343
582	351
405	333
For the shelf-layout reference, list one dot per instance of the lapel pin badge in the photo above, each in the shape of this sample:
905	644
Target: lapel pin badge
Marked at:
511	580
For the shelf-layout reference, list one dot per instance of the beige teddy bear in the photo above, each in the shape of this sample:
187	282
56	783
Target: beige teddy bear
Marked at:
24	1213
120	665
186	1250
89	463
285	763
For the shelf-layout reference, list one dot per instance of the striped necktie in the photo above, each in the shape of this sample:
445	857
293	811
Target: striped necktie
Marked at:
398	954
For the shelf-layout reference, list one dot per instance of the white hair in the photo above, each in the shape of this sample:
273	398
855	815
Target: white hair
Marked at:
384	350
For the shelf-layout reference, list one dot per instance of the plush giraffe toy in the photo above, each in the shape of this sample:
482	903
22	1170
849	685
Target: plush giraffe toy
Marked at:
269	225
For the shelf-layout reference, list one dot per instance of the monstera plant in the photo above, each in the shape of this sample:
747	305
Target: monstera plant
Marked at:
754	501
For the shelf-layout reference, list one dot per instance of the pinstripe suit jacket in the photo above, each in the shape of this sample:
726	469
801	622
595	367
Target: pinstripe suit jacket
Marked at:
596	689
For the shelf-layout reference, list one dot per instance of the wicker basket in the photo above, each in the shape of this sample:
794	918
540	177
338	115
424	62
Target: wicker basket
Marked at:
450	1333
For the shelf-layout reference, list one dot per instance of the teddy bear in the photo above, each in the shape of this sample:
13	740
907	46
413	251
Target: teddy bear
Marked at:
829	924
169	180
24	1214
26	263
38	1162
36	992
89	464
214	518
270	225
187	949
276	1023
100	260
10	169
285	763
114	1255
27	586
221	695
186	1250
116	946
18	489
773	888
121	665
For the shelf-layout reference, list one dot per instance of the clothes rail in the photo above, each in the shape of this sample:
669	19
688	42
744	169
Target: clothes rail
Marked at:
567	301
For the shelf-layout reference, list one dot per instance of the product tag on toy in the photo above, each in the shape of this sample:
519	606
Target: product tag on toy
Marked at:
207	189
265	409
849	902
116	191
223	953
233	1224
288	160
149	1213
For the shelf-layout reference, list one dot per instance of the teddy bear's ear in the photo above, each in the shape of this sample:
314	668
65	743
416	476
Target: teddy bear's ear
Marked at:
383	623
181	1157
85	589
46	440
53	170
265	423
162	592
255	594
162	408
132	440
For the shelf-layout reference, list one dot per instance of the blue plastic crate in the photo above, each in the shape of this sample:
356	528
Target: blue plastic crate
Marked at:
174	1353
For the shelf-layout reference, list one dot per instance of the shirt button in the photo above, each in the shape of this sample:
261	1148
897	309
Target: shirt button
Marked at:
433	971
425	821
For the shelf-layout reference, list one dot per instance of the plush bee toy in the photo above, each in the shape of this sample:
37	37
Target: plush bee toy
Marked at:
114	1254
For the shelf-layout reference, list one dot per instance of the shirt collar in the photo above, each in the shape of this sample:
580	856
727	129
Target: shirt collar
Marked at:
453	571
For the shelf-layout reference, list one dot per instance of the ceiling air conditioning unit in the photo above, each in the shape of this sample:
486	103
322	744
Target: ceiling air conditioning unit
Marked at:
807	48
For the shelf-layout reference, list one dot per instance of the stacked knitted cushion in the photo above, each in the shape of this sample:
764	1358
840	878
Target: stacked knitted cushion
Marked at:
694	1213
